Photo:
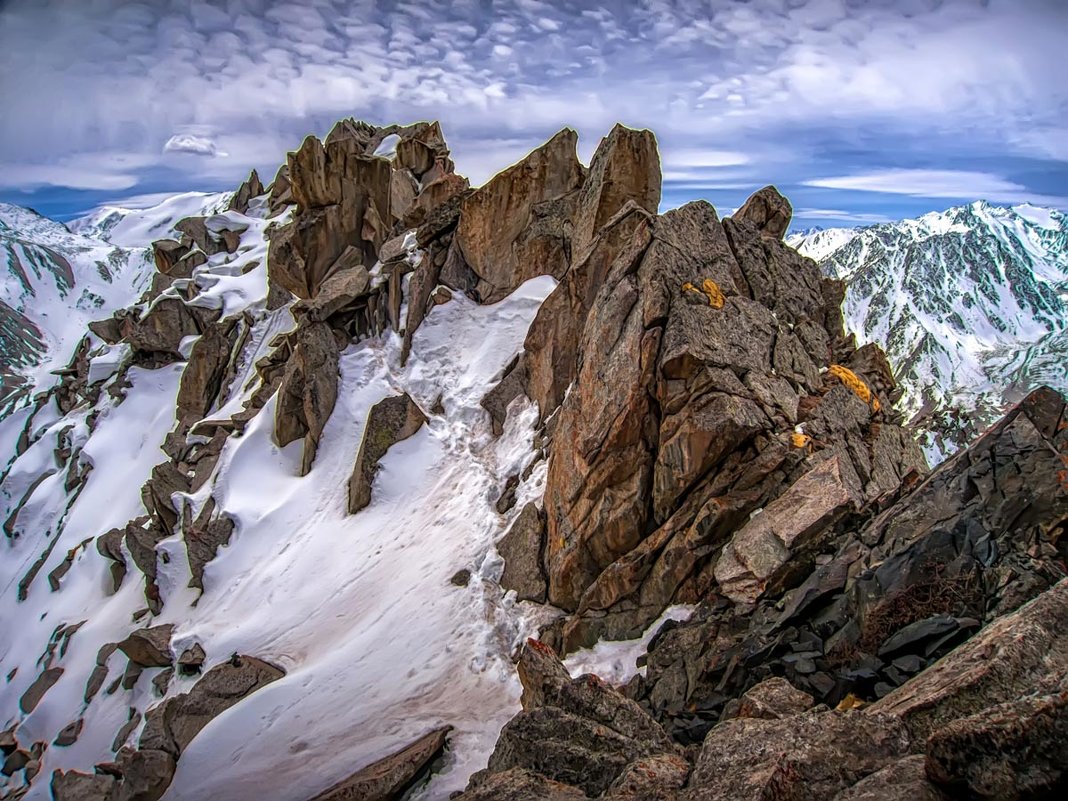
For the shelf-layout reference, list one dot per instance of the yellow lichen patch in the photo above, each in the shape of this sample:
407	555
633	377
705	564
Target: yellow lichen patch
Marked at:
852	381
799	440
850	702
710	289
875	405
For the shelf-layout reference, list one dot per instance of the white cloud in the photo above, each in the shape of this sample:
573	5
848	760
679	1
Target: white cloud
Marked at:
190	143
938	184
841	214
700	158
108	170
731	88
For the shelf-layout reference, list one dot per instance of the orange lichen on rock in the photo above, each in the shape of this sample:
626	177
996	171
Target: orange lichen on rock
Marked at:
799	440
850	702
852	381
710	289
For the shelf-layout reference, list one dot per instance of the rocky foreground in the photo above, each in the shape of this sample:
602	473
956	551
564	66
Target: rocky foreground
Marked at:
706	434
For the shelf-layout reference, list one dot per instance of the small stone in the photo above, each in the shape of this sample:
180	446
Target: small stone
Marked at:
461	578
69	734
192	660
15	762
162	680
507	498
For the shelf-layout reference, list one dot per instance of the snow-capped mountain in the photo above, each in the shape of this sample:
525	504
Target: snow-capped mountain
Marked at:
54	279
971	305
53	282
139	227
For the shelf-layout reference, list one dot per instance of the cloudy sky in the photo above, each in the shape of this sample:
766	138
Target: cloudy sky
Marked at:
859	110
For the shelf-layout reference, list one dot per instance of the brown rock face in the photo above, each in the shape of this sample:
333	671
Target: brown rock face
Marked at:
202	379
251	187
165	325
1014	750
692	351
172	725
149	647
308	390
145	774
389	778
897	587
350	200
764	546
343	195
577	732
625	167
811	755
389	421
522	550
514	227
769	211
554	341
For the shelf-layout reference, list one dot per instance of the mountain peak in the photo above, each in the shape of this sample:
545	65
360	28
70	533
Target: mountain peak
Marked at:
367	428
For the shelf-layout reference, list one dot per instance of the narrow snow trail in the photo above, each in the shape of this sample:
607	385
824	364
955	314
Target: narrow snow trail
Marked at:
378	645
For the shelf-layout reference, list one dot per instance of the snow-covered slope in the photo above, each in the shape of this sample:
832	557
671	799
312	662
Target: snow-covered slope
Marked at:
53	282
359	610
971	305
818	243
139	227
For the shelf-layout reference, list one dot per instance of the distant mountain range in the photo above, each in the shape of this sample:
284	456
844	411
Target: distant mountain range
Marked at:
54	279
970	304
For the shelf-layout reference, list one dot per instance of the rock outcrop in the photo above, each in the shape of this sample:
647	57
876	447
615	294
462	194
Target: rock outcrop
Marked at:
898	586
769	211
575	732
145	773
517	225
389	421
390	778
1000	734
308	390
710	380
251	187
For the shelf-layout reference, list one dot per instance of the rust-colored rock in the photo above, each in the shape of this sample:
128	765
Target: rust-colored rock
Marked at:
496	221
308	390
768	210
202	379
625	167
389	778
251	187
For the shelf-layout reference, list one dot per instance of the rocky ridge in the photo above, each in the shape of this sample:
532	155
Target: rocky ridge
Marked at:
701	429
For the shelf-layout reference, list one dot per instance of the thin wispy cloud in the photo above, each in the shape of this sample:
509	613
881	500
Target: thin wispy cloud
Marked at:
739	93
840	215
938	184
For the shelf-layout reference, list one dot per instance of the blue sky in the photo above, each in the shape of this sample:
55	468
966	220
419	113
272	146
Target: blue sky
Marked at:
859	110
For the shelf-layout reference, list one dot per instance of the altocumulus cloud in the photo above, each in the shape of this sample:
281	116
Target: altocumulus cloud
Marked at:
739	93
